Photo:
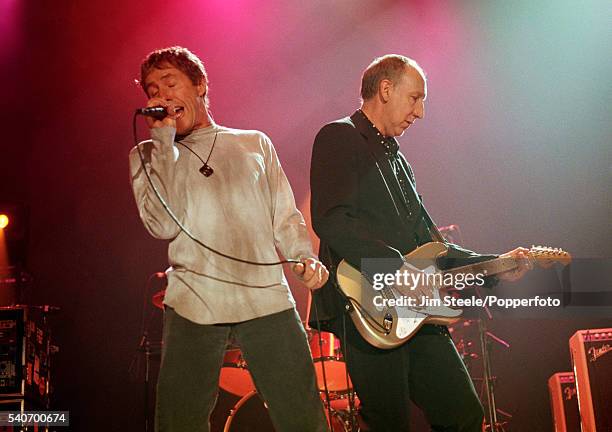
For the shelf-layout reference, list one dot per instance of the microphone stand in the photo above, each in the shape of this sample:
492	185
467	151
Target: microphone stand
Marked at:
488	379
487	376
145	346
148	348
485	336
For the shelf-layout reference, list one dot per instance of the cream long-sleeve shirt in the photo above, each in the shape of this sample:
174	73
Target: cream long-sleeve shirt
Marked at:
245	209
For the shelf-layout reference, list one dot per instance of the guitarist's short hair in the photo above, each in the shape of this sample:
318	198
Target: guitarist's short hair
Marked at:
391	67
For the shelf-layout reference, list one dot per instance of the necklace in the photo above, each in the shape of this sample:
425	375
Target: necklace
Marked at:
206	169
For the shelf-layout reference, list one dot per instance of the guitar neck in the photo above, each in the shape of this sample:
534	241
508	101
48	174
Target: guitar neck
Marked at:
541	255
488	268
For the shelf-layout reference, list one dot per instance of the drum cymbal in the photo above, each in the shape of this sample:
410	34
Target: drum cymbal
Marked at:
158	299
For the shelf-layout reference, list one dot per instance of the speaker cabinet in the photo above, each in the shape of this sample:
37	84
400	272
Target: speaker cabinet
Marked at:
564	402
591	352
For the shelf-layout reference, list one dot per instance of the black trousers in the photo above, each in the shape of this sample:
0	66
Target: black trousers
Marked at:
276	350
427	370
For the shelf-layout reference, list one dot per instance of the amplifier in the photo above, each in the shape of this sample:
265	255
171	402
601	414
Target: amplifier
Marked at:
591	352
24	354
13	284
564	402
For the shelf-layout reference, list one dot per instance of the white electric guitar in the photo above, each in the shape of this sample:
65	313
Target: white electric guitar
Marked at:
385	326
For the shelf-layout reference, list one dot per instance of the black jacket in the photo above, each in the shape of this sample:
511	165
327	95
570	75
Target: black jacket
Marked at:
358	210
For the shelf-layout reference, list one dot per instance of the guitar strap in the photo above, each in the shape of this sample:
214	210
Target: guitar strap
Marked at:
431	226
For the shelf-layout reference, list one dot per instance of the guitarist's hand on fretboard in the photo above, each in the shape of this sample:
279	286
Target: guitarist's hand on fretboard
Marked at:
521	255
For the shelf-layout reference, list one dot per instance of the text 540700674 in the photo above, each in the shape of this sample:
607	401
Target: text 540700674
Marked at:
34	418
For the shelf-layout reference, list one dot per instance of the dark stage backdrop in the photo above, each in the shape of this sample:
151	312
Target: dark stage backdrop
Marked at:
514	148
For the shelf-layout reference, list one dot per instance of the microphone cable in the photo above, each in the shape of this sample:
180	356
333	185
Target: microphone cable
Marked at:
184	229
326	390
224	255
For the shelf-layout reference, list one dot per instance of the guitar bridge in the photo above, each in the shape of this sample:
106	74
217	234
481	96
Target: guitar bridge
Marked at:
388	322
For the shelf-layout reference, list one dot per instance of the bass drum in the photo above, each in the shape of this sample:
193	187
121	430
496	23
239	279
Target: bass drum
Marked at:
251	415
234	376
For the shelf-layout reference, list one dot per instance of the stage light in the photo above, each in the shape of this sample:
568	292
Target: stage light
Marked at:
13	252
14	235
4	221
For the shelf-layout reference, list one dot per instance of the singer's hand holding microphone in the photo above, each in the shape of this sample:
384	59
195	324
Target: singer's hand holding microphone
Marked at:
161	119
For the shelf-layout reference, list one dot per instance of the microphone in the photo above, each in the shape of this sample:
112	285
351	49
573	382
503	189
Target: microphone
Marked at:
158	113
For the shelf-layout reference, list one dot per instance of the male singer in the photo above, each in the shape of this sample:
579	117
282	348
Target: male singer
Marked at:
228	188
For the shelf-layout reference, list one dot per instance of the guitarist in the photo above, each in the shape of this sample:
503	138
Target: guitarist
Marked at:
364	205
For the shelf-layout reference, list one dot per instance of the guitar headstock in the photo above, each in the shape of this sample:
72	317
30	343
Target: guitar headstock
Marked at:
546	256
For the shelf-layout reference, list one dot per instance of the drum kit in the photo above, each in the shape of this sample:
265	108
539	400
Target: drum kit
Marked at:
334	385
333	382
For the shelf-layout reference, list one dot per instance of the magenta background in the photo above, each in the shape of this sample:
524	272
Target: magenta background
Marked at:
514	148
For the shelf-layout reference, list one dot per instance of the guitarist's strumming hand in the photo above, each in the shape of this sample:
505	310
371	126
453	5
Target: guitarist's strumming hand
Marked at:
311	272
524	264
417	292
